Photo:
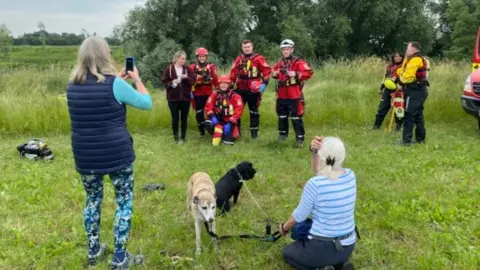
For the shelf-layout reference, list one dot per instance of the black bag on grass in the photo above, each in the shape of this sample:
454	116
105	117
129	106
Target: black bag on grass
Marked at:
35	149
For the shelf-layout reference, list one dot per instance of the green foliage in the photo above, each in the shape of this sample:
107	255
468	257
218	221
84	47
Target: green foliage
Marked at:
154	63
36	57
5	42
464	16
321	29
152	31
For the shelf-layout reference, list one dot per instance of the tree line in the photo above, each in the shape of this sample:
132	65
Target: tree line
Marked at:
42	38
321	29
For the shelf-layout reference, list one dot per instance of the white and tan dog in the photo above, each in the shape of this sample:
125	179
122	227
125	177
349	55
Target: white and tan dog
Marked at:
201	201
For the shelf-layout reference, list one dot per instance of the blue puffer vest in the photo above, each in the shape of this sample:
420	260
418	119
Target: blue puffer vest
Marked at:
101	143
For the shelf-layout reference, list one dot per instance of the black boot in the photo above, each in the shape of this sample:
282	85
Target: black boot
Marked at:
254	133
347	266
201	129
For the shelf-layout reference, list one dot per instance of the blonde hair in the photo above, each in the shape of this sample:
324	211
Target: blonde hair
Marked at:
332	155
93	57
177	55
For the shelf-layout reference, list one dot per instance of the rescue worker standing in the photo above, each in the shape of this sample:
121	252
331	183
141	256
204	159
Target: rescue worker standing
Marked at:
223	110
386	98
413	78
206	81
250	73
291	72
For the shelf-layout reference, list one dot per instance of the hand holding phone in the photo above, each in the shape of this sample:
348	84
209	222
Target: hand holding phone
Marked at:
124	74
129	64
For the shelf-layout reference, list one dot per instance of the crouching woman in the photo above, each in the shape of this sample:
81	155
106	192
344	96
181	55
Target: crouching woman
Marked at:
222	111
325	241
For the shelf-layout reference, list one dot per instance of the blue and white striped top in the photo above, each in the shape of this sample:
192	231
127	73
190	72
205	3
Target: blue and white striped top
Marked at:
331	204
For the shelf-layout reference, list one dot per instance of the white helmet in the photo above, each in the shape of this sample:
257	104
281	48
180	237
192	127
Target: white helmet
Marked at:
287	43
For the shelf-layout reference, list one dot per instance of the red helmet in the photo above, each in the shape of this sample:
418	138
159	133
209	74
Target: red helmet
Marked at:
224	79
201	51
255	86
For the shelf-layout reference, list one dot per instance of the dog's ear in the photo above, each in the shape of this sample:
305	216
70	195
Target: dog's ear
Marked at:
196	200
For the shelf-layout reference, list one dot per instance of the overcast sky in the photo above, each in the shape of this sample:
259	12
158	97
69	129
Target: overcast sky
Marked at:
100	16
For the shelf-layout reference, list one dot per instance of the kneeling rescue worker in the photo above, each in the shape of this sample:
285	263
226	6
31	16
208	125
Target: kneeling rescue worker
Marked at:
223	110
291	72
206	81
388	91
413	78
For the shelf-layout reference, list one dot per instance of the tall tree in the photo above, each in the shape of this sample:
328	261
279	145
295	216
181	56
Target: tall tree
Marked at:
43	33
5	42
463	17
154	32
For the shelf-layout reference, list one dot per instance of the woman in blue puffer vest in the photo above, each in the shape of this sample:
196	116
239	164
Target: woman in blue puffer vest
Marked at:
101	143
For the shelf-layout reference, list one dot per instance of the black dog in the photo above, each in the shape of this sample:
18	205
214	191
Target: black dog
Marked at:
229	185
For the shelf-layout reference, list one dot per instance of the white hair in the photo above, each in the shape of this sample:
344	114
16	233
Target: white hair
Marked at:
94	57
332	155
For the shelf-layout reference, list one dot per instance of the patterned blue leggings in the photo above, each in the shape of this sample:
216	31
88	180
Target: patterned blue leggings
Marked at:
123	183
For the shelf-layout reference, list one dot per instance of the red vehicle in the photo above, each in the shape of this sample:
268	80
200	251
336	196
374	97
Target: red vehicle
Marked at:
471	92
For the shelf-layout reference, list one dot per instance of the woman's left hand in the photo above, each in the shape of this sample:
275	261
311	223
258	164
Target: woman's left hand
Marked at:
122	74
281	230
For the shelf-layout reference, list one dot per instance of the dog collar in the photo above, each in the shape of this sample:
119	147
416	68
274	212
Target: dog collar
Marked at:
239	176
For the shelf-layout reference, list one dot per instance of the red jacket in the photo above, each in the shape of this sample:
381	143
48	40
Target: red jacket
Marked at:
183	90
206	78
226	105
247	69
391	71
291	88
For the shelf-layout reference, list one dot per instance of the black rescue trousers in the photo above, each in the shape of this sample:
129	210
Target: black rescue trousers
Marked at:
200	102
253	101
289	108
415	96
383	108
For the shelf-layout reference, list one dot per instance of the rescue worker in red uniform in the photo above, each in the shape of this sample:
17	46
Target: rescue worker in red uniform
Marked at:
223	111
206	81
291	72
386	94
250	73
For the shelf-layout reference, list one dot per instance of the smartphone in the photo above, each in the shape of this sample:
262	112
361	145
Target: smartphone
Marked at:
129	64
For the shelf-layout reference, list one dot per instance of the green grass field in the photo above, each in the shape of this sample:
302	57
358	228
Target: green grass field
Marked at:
417	207
41	58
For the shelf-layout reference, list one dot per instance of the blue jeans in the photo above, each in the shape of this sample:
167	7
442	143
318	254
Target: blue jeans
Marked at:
122	181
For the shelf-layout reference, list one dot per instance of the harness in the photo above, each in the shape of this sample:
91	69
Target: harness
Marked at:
268	237
392	70
202	75
421	76
284	68
223	106
245	70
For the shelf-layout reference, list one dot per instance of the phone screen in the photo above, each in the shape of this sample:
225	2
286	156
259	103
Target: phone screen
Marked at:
129	63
